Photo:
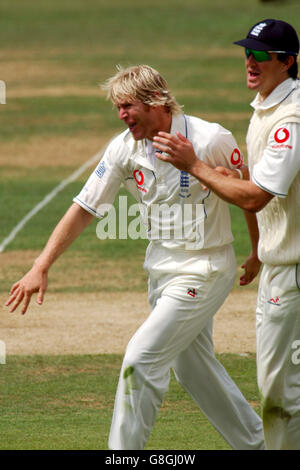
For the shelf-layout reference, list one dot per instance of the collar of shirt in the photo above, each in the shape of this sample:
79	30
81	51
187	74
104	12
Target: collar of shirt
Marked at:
279	94
150	151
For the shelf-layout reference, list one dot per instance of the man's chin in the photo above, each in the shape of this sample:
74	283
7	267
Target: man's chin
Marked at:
252	84
137	136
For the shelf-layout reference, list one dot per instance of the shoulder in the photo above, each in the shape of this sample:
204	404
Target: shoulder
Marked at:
118	140
295	95
206	128
117	148
208	135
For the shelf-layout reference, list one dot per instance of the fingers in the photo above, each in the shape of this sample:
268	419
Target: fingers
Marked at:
246	279
172	136
40	297
162	152
250	273
164	144
168	140
14	287
15	298
170	145
181	137
163	148
163	157
35	281
26	302
12	294
19	295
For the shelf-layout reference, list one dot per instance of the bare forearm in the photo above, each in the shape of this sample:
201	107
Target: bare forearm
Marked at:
252	264
179	152
231	190
67	230
244	194
253	230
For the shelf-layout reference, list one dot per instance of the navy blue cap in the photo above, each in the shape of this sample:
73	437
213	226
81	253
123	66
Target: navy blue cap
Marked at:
272	35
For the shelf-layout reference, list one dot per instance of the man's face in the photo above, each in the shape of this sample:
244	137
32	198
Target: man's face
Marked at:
265	76
142	120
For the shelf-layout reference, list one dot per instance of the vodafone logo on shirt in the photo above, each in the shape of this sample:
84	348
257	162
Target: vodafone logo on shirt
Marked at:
139	178
237	158
281	136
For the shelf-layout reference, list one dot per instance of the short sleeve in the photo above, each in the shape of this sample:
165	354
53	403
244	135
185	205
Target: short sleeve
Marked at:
224	151
280	161
102	186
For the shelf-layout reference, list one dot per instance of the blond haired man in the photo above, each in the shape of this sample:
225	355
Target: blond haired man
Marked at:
189	259
273	143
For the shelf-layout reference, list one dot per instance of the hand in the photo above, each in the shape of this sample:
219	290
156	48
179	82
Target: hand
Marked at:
34	281
179	150
251	267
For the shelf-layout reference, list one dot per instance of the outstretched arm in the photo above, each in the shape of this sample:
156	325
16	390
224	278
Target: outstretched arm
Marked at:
68	229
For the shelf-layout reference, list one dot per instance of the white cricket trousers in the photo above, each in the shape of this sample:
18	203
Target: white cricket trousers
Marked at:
184	294
278	355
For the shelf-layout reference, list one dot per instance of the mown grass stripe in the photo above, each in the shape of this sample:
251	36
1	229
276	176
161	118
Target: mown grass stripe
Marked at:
95	158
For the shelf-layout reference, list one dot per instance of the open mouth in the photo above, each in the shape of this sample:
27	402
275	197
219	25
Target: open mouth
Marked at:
253	74
132	126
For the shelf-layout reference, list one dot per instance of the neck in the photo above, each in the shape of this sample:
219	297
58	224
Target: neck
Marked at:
167	122
164	123
263	94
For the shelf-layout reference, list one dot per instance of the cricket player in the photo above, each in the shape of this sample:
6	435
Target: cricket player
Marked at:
273	143
189	259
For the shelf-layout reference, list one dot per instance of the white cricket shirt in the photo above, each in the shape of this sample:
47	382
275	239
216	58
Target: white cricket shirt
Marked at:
280	161
177	212
273	144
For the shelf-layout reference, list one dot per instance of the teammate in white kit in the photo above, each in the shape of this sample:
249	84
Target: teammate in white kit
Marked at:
190	261
273	143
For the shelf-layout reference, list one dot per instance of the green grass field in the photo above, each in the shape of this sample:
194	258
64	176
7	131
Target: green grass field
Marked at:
54	54
65	403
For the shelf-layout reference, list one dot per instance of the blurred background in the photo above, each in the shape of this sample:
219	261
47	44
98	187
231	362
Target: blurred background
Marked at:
54	54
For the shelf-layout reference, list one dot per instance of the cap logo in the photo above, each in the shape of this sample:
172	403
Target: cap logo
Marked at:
258	29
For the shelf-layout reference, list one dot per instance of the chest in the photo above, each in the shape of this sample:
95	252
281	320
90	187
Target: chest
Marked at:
257	137
160	183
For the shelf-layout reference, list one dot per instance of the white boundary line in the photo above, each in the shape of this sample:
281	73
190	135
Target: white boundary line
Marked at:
49	197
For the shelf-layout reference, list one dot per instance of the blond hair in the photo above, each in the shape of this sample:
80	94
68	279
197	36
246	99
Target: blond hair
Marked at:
140	83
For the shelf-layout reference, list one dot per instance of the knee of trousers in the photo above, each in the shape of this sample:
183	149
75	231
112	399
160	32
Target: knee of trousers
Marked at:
284	407
279	389
281	425
143	366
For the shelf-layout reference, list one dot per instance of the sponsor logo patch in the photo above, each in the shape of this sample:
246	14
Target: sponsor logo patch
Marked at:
192	292
100	170
140	179
274	301
237	158
184	184
258	29
281	136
